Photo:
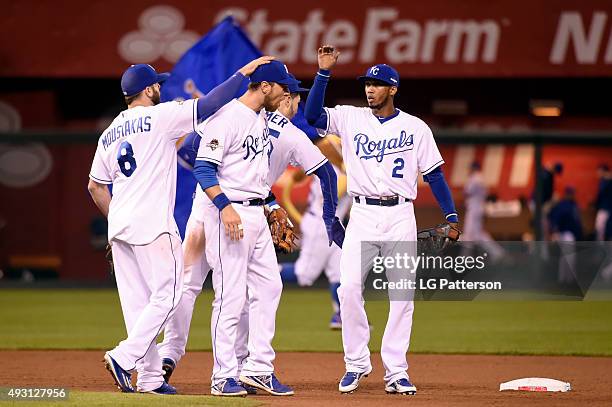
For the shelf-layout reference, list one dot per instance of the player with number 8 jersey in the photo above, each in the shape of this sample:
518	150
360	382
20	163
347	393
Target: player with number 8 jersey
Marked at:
137	155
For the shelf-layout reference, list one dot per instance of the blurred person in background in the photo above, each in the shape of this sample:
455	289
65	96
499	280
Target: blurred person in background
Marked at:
603	220
548	175
547	178
565	226
475	195
564	218
604	201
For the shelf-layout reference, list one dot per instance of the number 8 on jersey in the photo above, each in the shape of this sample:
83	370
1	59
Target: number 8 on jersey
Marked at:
125	157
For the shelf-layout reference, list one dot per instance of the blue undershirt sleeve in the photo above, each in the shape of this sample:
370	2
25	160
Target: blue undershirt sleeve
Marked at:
313	111
205	173
219	96
329	187
440	189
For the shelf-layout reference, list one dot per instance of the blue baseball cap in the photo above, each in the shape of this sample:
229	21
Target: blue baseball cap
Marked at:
275	71
383	73
294	87
137	77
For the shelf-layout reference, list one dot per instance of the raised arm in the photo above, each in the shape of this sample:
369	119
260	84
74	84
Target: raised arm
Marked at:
313	111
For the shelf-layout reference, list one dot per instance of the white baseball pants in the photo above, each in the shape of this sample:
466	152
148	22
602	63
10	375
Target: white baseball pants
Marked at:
381	224
196	268
195	272
149	280
240	267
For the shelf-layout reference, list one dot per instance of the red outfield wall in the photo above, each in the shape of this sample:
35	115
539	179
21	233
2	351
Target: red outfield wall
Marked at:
48	210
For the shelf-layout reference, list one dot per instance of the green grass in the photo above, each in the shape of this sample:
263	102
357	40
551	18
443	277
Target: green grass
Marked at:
91	319
95	399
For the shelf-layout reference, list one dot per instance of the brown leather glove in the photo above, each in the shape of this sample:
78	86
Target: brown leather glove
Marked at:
440	237
281	229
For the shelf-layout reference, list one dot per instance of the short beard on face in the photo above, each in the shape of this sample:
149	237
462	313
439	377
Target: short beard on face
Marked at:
156	98
269	104
380	105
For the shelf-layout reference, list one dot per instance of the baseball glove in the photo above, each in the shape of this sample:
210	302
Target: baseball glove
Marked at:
440	237
109	258
281	229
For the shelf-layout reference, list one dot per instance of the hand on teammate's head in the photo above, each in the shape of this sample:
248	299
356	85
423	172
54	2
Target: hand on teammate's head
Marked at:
249	68
327	56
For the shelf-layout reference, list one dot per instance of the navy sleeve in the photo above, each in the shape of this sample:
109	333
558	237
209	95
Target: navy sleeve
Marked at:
329	187
440	189
206	174
219	96
314	113
189	149
301	123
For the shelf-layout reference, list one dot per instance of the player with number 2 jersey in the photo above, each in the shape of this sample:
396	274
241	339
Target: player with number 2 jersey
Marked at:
383	149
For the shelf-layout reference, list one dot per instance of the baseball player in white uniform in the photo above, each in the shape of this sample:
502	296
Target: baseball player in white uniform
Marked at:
137	155
232	168
475	195
288	145
383	150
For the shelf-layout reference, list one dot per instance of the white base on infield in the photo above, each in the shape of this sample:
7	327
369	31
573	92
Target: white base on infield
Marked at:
536	384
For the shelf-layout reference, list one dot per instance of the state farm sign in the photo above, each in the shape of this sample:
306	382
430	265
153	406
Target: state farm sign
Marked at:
400	40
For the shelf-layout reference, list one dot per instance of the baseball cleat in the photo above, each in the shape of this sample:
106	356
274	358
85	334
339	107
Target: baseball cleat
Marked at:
123	379
164	389
250	389
228	387
336	322
168	366
268	383
401	386
350	381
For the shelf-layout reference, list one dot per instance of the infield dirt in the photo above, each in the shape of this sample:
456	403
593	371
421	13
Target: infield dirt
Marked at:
442	380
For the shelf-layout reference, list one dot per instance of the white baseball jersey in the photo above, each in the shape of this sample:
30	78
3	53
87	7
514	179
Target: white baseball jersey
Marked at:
290	145
236	139
382	159
137	154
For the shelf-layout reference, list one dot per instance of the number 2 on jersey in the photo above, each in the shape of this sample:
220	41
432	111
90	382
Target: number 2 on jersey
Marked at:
125	157
399	165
